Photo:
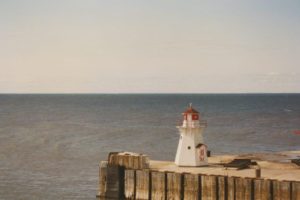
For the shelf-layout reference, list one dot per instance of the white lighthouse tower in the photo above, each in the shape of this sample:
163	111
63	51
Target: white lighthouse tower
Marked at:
191	149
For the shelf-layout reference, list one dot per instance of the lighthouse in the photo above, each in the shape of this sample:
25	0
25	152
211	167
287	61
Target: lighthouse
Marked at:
191	150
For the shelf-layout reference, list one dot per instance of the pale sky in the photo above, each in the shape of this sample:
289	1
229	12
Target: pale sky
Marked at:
149	46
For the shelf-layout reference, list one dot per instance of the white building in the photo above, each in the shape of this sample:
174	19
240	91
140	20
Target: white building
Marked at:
191	149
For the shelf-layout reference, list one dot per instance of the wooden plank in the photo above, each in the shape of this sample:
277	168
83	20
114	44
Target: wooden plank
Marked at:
295	190
145	162
141	161
230	188
243	188
114	182
112	159
111	156
191	187
158	185
128	160
119	160
208	187
222	188
124	160
136	162
102	178
262	189
174	186
142	184
281	190
129	184
131	162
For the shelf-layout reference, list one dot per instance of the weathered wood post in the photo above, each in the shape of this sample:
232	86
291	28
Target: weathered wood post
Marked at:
295	190
102	178
129	185
222	187
262	189
257	172
174	186
208	187
143	188
191	186
243	188
158	185
231	188
114	182
281	190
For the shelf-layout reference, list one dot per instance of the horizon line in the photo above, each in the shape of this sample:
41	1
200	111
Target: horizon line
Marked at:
137	93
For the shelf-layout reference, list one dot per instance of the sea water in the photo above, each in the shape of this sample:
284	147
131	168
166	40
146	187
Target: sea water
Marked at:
51	145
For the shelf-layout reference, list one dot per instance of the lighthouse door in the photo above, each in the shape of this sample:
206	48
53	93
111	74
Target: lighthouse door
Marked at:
202	151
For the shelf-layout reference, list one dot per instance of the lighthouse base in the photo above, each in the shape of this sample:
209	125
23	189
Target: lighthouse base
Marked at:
191	154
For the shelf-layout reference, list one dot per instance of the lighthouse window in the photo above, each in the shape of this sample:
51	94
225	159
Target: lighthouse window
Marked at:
189	147
195	117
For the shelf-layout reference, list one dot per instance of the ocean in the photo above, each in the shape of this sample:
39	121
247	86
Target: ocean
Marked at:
51	144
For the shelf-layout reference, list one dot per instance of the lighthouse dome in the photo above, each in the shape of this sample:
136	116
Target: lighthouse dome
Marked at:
191	114
191	110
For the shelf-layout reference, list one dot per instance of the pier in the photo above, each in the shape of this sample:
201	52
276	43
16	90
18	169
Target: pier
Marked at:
135	176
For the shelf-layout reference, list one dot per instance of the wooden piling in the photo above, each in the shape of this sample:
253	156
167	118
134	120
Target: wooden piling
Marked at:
262	189
222	187
129	184
144	162
102	178
158	185
243	188
295	190
191	187
208	187
127	176
174	186
136	162
131	162
230	188
124	161
114	182
281	190
142	184
128	160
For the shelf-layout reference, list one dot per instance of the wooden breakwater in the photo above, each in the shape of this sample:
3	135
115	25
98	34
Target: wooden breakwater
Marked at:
126	180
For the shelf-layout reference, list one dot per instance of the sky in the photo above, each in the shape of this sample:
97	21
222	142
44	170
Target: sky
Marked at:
156	46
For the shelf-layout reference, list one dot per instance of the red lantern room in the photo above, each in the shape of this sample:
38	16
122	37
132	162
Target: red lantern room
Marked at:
191	114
